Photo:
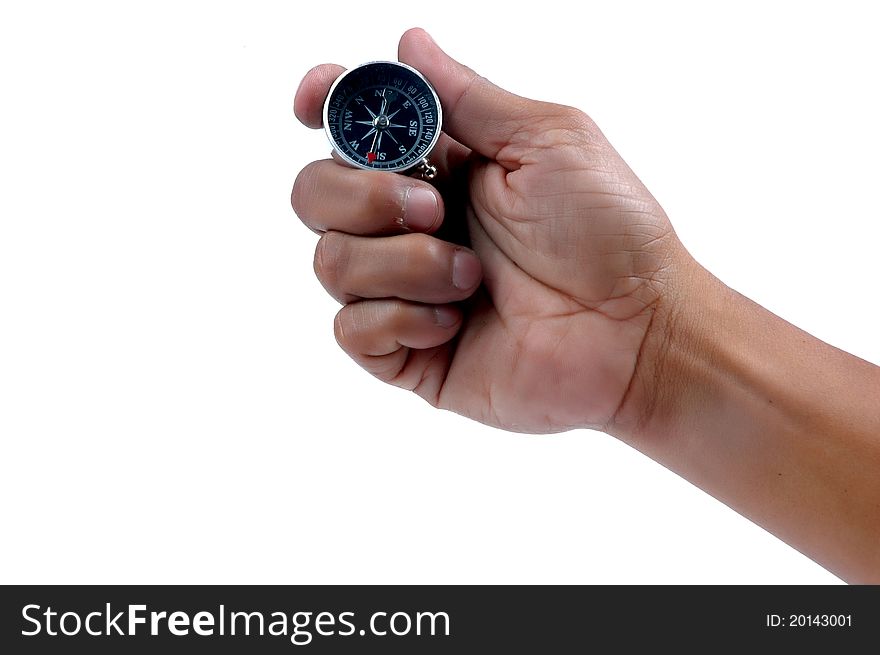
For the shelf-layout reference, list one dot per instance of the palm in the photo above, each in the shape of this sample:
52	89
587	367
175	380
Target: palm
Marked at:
573	249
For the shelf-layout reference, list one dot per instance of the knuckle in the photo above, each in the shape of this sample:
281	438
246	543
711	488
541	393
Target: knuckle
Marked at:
580	123
382	198
569	132
388	316
329	259
301	192
398	315
342	326
426	253
575	119
561	128
353	324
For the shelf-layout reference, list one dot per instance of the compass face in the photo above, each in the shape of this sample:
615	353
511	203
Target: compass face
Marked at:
382	116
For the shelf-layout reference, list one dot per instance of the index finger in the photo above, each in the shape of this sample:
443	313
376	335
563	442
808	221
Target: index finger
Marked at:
308	104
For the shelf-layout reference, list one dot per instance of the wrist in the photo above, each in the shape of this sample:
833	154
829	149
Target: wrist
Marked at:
674	364
769	420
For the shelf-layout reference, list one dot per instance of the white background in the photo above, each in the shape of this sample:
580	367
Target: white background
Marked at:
173	406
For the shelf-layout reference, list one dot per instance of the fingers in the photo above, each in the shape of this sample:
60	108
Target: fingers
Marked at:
380	327
410	266
398	319
379	335
477	113
308	104
330	196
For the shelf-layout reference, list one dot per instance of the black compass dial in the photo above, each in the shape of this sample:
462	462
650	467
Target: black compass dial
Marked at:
382	116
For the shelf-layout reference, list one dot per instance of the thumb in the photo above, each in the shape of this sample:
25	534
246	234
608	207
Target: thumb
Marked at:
477	113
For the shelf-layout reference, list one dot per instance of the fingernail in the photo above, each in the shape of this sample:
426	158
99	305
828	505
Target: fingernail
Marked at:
420	209
446	315
465	269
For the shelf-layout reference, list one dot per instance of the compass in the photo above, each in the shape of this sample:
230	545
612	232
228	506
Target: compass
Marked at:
384	116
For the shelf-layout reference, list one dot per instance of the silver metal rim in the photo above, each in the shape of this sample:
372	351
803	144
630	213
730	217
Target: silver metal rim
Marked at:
357	164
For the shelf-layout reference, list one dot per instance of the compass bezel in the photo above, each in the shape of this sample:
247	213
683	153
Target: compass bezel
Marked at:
339	150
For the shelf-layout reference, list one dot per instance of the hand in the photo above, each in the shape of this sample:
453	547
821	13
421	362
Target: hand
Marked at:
537	327
575	305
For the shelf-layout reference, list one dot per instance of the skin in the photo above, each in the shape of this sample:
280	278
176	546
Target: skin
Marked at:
539	287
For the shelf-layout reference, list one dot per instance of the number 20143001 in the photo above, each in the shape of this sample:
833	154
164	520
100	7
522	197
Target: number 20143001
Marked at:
809	621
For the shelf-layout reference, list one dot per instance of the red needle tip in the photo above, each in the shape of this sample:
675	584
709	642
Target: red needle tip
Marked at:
371	157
